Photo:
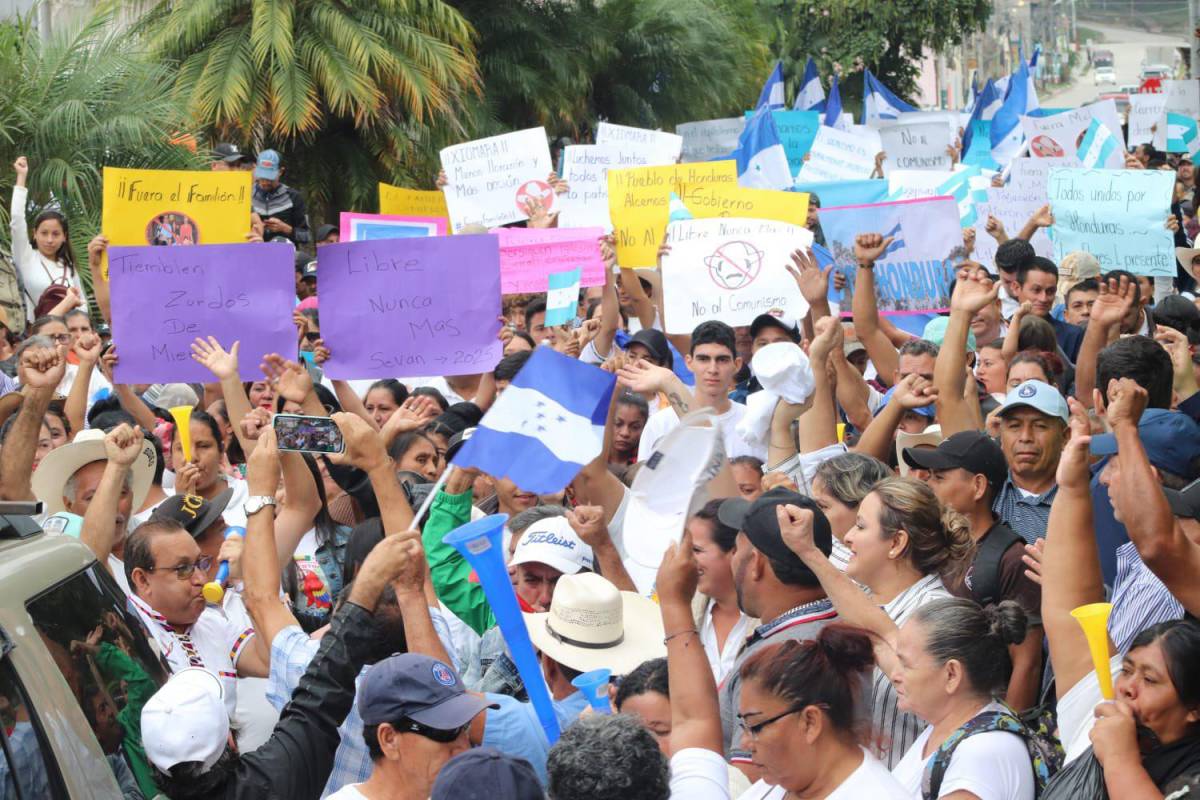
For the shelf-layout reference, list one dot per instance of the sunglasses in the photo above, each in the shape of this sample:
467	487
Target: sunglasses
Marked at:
440	735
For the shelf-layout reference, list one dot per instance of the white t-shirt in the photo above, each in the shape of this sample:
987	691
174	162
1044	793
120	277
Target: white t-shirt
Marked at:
1076	712
721	659
992	766
871	781
699	774
661	423
348	792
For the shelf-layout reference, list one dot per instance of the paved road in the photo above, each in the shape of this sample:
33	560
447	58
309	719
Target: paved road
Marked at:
1128	48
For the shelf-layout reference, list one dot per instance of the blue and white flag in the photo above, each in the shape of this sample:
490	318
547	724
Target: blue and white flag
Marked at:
1007	136
1097	145
761	160
834	117
959	187
772	91
562	296
986	104
1182	134
879	103
811	94
1031	98
545	426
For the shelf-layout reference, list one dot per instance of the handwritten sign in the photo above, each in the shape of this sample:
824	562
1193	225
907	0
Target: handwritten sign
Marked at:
723	200
638	201
1030	176
797	130
1012	206
412	202
359	227
1059	135
705	140
838	155
1116	215
529	255
1147	120
658	147
164	297
585	169
916	146
394	308
906	184
913	276
170	207
1183	97
729	269
491	180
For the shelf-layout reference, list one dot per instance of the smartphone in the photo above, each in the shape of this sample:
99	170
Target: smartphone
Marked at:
307	434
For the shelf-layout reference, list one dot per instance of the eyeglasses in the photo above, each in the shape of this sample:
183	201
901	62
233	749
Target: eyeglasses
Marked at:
433	734
60	338
753	730
184	571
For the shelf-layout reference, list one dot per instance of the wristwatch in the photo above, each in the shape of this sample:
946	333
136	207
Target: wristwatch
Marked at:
253	505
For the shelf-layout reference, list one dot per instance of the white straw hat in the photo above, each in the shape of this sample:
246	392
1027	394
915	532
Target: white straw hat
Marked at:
59	465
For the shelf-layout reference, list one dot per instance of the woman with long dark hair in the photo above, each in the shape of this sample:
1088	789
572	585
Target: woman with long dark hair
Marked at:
47	264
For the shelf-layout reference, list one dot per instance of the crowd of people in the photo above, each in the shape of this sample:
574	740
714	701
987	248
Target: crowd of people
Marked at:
872	598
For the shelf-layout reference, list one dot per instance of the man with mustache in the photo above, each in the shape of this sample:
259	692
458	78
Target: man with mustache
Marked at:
1033	431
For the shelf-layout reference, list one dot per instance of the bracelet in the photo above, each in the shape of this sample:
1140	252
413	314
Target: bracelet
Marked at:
681	633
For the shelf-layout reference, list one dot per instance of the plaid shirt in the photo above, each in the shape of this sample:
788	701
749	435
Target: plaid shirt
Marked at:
1025	515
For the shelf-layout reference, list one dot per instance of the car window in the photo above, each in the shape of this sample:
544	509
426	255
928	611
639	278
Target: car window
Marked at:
24	771
112	669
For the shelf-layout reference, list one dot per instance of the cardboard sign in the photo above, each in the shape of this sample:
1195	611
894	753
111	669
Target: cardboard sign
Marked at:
658	147
916	146
1059	135
838	155
846	193
1012	206
585	168
731	270
165	297
797	131
491	180
1183	97
360	227
707	139
394	308
1029	176
1147	120
638	201
174	207
722	200
529	255
907	184
412	202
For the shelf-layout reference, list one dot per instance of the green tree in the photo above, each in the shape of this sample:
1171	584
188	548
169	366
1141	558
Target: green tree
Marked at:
888	38
88	97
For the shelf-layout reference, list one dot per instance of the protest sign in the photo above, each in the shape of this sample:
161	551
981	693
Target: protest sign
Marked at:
705	140
165	297
1116	215
797	130
914	273
359	227
638	201
395	308
1029	176
562	297
585	169
916	146
1059	135
952	120
170	207
724	200
1012	205
1183	97
412	202
845	193
906	184
491	180
837	155
729	269
1147	120
658	147
529	255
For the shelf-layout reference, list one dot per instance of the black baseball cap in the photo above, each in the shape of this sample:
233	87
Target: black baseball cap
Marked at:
759	522
974	451
192	511
309	271
324	231
656	342
484	773
419	688
1185	502
230	154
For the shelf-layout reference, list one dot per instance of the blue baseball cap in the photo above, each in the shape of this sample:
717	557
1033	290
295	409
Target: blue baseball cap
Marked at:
1171	439
267	166
1039	396
925	411
484	773
419	688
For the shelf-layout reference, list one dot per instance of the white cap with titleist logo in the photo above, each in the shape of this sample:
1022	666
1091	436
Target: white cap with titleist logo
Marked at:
553	542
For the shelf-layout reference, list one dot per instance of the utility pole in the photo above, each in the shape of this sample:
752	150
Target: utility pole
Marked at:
1193	67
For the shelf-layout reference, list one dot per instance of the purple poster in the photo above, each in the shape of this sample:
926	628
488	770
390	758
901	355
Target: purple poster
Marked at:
164	297
395	308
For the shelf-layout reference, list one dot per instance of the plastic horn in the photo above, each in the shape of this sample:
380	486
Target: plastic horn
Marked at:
214	590
594	686
1093	618
479	542
183	429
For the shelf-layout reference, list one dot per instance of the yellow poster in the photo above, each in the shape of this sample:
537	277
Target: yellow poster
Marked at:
639	199
168	207
412	202
722	200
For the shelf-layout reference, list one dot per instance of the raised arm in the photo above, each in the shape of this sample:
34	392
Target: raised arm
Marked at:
122	446
40	368
589	523
224	365
818	424
128	398
868	247
1012	338
1113	303
448	570
88	351
812	281
880	436
610	306
973	292
1042	218
365	450
100	287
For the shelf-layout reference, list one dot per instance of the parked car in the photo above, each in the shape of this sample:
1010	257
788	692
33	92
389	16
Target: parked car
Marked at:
1105	75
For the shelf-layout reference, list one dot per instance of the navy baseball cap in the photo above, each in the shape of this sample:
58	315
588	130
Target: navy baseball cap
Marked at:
1039	396
1171	439
419	688
1185	502
484	773
929	411
974	451
759	522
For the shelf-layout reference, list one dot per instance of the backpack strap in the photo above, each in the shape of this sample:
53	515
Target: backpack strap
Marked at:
985	572
1045	754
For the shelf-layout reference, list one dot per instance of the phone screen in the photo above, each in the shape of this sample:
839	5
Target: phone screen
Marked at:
307	434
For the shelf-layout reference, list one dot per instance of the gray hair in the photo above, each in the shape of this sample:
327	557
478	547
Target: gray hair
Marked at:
72	485
850	476
919	347
34	341
602	757
529	516
978	638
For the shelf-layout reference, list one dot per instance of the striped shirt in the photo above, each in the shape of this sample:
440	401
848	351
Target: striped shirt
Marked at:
1025	515
893	731
1139	599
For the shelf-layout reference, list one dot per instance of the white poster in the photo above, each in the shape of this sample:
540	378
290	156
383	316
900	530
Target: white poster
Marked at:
1059	135
1147	120
1030	175
1012	207
729	269
658	147
710	138
907	184
916	146
951	119
1183	97
585	169
490	180
839	156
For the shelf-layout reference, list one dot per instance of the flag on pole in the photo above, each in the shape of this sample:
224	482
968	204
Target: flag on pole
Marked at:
984	109
545	426
833	107
772	91
562	296
1097	144
761	160
1031	98
1182	134
879	103
811	94
1007	136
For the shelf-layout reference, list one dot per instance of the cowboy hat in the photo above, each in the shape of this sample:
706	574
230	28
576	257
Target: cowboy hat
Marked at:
930	437
592	625
59	465
1184	256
